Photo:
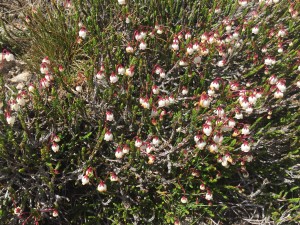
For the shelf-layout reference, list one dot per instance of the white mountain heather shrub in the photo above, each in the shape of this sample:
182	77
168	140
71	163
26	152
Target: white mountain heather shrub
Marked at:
146	112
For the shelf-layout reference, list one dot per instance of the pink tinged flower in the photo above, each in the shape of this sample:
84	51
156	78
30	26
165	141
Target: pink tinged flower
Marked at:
213	148
61	68
55	213
184	199
89	172
215	85
202	187
175	46
125	149
255	30
208	196
281	33
249	158
31	88
249	109
211	39
183	62
122	2
17	211
201	144
211	92
158	69
281	85
246	129
278	94
184	91
231	123
244	103
13	105
114	177
109	116
243	3
49	77
204	37
121	69
154	112
187	35
245	147
119	153
145	103
8	56
156	142
234	86
138	143
108	136
197	60
273	80
228	28
264	50
252	99
100	75
113	78
162	74
218	138
155	90
197	138
149	148
196	46
161	102
208	121
207	129
55	147
220	112
204	100
142	45
177	222
10	119
235	35
258	94
102	187
21	100
85	180
130	71
127	19
221	63
44	83
238	115
195	173
294	13
129	49
225	163
217	10
269	61
44	68
159	30
190	49
151	159
82	32
138	36
46	60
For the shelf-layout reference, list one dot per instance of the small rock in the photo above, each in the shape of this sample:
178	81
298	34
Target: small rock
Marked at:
22	77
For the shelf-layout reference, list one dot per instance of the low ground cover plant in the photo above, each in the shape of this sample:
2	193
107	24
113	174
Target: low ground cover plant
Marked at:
150	112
